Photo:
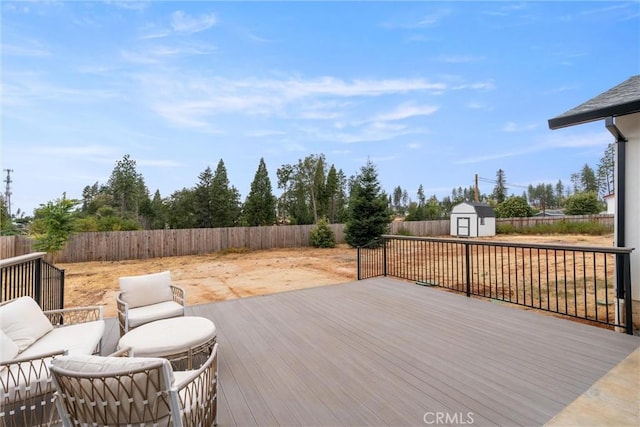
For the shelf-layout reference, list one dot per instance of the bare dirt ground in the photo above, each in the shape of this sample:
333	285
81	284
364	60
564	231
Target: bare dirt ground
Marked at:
236	274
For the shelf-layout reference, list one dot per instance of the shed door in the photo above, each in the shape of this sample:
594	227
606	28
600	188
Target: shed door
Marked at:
463	226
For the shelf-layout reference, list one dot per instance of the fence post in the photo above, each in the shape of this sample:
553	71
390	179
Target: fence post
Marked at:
467	269
358	264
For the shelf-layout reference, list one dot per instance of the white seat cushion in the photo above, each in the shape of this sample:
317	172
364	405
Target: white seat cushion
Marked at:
168	336
147	289
8	348
81	338
141	315
23	321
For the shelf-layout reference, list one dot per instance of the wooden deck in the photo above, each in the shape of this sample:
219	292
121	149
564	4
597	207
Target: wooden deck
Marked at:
386	352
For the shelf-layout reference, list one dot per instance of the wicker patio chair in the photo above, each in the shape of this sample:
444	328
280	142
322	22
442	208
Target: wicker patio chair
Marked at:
146	298
109	391
26	390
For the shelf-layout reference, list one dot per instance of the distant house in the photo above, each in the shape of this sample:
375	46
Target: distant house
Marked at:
610	200
619	107
550	212
473	220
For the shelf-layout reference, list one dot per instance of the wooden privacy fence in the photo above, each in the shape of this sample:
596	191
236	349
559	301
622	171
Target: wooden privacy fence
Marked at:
143	244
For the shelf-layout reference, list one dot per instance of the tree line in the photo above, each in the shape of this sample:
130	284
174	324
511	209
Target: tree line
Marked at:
310	190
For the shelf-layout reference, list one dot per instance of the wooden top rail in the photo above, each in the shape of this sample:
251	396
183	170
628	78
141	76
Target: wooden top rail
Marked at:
611	250
21	259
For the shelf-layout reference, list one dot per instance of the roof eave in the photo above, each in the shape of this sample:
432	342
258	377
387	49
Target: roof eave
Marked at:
593	115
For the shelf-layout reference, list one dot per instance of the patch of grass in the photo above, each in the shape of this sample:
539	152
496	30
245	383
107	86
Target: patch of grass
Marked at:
561	227
230	251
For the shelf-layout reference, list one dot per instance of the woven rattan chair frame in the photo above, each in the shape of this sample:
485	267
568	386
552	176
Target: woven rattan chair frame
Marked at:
33	406
139	397
177	293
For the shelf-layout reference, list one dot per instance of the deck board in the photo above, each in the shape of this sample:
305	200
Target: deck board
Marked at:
385	352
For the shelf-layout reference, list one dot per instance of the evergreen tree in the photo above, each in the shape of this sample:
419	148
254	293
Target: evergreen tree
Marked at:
202	202
333	193
158	215
559	193
500	189
181	209
127	188
397	200
260	205
225	200
588	179
606	172
584	203
369	215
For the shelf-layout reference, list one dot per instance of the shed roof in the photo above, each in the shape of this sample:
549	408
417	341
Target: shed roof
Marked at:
482	209
620	100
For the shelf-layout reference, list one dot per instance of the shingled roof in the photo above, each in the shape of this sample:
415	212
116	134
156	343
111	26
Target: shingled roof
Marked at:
619	101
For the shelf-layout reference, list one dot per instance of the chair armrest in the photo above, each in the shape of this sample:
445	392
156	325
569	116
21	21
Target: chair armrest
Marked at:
123	315
72	316
179	294
123	352
37	357
198	393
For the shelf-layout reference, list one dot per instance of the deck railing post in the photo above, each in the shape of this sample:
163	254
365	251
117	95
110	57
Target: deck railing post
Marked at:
628	301
467	269
61	289
358	266
384	257
37	281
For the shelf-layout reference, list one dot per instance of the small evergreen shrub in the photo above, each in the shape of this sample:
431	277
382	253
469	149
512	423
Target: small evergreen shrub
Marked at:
404	232
322	235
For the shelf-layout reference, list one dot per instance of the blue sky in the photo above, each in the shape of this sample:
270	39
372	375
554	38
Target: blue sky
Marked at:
432	92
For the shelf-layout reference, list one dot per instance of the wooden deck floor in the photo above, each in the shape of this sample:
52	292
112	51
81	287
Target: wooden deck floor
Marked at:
385	352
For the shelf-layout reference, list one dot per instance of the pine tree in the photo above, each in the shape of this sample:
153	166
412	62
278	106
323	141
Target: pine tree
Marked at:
369	215
260	205
500	189
202	202
225	200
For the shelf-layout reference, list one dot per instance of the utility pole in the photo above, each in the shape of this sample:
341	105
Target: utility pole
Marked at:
7	191
476	194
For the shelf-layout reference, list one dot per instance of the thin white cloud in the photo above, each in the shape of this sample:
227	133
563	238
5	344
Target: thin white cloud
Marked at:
33	51
514	127
551	142
407	110
261	133
181	22
414	146
68	151
427	20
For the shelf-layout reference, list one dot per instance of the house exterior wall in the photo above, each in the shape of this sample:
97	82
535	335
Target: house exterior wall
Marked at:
629	125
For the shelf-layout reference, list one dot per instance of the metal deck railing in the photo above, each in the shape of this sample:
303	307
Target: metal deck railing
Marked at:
588	283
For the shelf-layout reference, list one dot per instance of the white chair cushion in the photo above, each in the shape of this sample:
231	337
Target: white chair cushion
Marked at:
82	338
23	321
141	315
8	348
168	336
147	289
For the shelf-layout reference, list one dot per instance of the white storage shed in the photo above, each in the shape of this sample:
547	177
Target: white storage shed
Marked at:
473	220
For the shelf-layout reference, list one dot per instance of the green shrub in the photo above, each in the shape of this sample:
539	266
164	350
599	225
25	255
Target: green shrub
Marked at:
404	232
593	228
322	235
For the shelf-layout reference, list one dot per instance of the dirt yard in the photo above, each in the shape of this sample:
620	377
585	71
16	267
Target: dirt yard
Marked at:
235	274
